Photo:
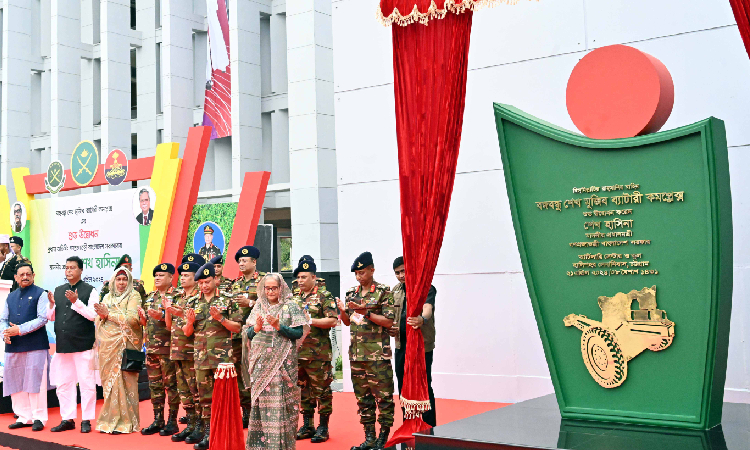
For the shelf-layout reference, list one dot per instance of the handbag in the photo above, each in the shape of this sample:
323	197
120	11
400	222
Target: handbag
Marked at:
132	360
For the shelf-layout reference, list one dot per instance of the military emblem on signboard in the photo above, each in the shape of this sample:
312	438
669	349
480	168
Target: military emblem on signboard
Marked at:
115	167
55	179
623	334
84	163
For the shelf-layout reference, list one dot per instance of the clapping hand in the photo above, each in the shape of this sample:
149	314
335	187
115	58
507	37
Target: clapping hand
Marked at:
273	321
51	298
356	307
175	311
141	314
190	316
244	301
258	323
12	331
102	310
215	313
154	314
72	296
340	304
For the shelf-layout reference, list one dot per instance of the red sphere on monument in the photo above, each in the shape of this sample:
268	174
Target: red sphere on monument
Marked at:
619	92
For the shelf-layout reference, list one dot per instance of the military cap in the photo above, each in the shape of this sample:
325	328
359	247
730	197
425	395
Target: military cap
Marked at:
205	271
16	240
208	230
188	267
217	260
305	266
126	259
247	251
194	257
164	267
307	258
362	261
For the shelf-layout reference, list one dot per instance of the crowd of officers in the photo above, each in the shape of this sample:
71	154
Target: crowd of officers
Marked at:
191	330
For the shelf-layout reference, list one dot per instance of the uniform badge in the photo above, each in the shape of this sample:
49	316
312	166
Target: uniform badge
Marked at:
305	266
186	266
163	267
244	251
205	272
190	258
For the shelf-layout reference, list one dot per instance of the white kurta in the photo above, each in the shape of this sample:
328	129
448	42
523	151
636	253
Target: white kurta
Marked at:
69	369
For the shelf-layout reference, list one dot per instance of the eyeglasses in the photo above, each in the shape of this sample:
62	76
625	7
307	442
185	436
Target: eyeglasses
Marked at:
272	288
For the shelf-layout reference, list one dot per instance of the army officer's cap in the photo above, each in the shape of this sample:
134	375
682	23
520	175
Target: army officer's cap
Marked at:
16	240
126	259
305	266
362	261
247	251
217	260
205	271
164	267
194	257
191	267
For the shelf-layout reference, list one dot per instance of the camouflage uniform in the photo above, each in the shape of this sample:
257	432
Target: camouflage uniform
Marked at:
181	352
224	284
370	356
161	370
315	354
212	346
137	286
238	314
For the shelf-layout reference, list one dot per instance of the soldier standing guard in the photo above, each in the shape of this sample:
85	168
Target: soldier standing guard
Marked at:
369	313
160	369
127	261
315	354
244	294
209	320
181	351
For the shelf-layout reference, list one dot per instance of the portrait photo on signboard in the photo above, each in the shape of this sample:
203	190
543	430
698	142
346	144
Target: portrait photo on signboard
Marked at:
144	201
17	217
208	240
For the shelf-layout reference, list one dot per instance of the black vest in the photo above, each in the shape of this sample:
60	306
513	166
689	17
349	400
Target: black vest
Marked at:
74	333
22	308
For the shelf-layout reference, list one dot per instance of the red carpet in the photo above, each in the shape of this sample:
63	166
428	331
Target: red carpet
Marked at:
345	428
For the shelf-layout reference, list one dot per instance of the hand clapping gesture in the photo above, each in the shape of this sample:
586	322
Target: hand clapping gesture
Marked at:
273	321
215	313
102	310
258	323
51	298
142	315
72	296
190	316
154	314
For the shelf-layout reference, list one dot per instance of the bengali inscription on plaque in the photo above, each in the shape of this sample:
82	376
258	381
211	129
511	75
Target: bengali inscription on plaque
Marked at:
609	230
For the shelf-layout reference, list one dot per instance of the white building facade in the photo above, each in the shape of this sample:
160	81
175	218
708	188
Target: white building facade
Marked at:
130	74
488	346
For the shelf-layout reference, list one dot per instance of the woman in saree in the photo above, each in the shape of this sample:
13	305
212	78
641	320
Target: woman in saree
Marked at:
118	328
273	327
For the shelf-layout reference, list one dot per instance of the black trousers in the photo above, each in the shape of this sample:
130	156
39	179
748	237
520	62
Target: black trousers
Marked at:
429	416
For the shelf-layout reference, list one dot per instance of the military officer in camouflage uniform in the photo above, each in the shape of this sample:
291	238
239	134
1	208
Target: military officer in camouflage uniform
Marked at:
224	283
316	352
127	261
210	323
160	369
369	313
243	296
320	282
181	351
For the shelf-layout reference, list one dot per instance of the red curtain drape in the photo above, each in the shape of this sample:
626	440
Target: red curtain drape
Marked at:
430	67
741	10
226	414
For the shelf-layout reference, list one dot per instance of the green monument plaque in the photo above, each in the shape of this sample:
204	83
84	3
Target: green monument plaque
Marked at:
626	247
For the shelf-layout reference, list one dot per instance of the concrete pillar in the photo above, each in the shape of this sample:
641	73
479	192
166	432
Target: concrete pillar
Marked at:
312	158
115	75
176	70
244	44
16	94
65	95
146	61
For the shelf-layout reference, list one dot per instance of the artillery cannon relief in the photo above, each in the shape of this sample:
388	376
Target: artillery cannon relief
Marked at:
623	334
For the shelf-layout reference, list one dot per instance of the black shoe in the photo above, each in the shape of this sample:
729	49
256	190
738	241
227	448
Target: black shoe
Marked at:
203	444
245	418
85	426
38	426
321	434
182	435
157	424
171	427
197	435
369	442
382	438
65	425
17	425
307	430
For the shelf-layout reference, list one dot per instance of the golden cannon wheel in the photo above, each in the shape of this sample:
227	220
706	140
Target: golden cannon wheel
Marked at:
603	357
662	344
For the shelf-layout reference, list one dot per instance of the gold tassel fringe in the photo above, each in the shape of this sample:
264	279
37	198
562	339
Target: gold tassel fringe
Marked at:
414	408
454	6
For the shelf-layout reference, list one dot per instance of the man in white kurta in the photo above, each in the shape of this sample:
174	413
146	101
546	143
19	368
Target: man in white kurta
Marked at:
72	308
27	350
